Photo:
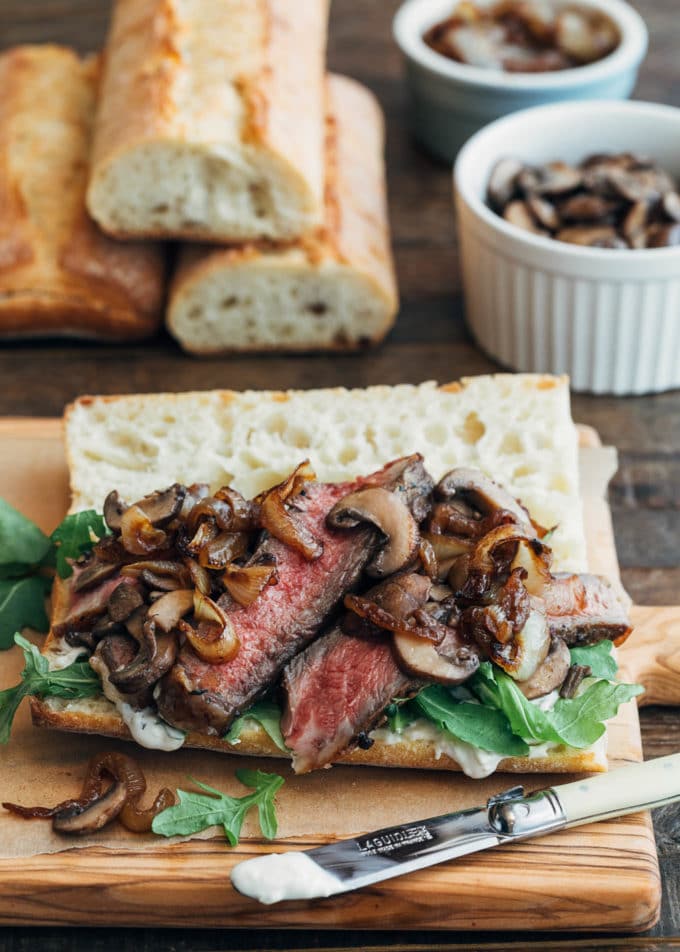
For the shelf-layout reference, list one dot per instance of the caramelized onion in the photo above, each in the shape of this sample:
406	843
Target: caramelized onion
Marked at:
428	558
214	640
138	534
204	535
280	522
223	549
244	514
244	584
200	578
484	559
85	814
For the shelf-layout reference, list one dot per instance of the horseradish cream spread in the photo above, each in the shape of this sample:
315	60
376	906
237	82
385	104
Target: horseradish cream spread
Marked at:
283	876
146	726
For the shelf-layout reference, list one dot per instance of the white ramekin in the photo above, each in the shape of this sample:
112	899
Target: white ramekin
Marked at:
451	101
608	318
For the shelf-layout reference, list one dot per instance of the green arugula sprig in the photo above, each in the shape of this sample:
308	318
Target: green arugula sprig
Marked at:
27	561
577	722
265	713
75	681
199	811
505	722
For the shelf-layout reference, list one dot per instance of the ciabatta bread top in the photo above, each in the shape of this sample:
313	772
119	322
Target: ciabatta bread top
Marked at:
58	272
336	289
515	427
210	121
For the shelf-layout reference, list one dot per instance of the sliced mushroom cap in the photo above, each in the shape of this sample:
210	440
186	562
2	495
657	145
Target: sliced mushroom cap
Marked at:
591	236
163	506
80	820
124	600
114	509
503	182
482	493
93	574
156	655
634	223
519	214
385	510
167	610
550	674
585	207
544	212
671	205
420	657
554	178
663	236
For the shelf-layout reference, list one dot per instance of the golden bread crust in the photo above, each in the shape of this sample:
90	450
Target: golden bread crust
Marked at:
58	273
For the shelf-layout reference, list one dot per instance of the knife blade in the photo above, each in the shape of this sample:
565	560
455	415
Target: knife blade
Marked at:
506	818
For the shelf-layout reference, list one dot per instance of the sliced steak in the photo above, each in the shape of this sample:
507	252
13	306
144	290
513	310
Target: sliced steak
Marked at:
338	688
585	609
286	616
77	611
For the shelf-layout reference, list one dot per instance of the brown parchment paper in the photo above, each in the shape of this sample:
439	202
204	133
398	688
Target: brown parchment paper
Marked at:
44	767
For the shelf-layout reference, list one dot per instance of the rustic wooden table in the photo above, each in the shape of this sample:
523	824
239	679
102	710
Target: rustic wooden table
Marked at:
430	342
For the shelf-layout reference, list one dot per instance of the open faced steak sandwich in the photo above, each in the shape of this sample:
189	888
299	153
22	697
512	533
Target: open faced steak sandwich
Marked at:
348	609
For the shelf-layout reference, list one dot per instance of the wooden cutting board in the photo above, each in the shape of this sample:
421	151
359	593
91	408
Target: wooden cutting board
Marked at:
599	877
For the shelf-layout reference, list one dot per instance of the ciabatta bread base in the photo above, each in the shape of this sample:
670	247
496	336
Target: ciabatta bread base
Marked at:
99	716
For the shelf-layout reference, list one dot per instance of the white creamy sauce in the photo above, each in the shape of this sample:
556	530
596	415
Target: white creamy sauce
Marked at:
283	876
146	726
149	729
61	655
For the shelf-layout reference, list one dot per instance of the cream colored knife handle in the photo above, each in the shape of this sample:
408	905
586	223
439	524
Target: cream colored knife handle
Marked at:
625	790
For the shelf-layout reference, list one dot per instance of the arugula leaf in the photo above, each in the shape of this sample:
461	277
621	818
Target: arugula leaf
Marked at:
22	605
75	681
484	727
268	715
598	657
198	811
527	720
579	721
400	714
22	543
74	536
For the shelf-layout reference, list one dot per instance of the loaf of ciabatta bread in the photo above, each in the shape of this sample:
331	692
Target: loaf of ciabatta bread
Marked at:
210	120
335	290
59	274
516	428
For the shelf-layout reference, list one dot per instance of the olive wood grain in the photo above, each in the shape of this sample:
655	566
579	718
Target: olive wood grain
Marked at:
652	655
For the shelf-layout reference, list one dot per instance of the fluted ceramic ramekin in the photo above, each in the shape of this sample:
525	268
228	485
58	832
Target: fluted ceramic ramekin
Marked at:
451	101
608	318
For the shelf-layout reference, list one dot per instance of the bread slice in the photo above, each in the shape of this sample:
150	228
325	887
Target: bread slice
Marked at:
334	291
210	121
517	428
58	273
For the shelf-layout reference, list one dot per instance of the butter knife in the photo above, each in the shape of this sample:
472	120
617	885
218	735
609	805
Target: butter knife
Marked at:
507	818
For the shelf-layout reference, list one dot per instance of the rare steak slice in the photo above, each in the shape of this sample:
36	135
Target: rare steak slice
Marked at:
339	687
585	609
285	617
